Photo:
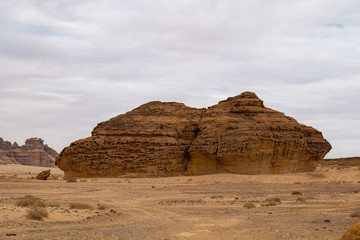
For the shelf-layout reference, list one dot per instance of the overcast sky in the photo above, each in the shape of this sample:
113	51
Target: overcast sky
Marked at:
66	65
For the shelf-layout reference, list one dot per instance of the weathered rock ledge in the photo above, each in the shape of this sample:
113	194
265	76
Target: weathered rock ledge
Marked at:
237	135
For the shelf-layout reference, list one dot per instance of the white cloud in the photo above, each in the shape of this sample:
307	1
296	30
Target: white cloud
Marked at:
67	65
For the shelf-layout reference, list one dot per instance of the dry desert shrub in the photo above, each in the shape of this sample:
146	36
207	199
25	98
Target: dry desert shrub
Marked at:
53	204
296	193
316	175
355	214
36	213
54	177
271	201
300	199
249	205
217	197
77	205
267	204
71	179
102	206
30	201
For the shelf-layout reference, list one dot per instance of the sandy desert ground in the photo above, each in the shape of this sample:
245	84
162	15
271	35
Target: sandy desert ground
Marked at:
182	207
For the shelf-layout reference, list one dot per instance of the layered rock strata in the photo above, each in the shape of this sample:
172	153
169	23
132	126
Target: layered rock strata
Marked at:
34	153
237	135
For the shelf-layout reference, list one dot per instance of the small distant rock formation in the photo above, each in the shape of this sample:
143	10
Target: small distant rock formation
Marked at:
353	233
43	175
341	162
237	135
33	153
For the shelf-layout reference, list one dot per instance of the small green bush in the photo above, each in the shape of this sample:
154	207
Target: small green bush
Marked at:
297	193
76	205
30	201
36	213
249	205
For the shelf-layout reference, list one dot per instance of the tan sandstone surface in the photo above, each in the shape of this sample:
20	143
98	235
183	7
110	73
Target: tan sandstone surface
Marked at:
237	135
34	152
311	206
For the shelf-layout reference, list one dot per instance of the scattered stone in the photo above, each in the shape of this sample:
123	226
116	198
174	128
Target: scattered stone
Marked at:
43	175
113	211
327	221
237	135
11	234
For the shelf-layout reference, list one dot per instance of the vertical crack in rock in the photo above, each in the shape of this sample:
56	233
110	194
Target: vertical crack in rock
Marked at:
273	162
187	156
237	135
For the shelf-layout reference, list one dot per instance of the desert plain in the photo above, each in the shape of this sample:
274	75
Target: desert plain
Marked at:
316	205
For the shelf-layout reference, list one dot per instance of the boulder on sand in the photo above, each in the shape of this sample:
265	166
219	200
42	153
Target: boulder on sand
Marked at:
43	175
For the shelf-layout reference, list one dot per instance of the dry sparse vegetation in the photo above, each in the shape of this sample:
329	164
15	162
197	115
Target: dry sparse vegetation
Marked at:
300	199
30	201
217	197
77	205
36	213
249	205
102	206
355	214
53	204
273	199
268	204
71	179
54	177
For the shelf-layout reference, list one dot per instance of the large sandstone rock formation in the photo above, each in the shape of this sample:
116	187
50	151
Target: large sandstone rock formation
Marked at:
34	153
353	233
238	135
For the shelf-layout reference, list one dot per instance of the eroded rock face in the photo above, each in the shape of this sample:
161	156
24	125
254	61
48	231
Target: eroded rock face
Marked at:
34	153
353	233
238	135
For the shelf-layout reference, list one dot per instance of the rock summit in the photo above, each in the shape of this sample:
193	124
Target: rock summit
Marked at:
237	135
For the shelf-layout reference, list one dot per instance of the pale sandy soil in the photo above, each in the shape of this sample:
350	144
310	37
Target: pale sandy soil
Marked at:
15	168
183	207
